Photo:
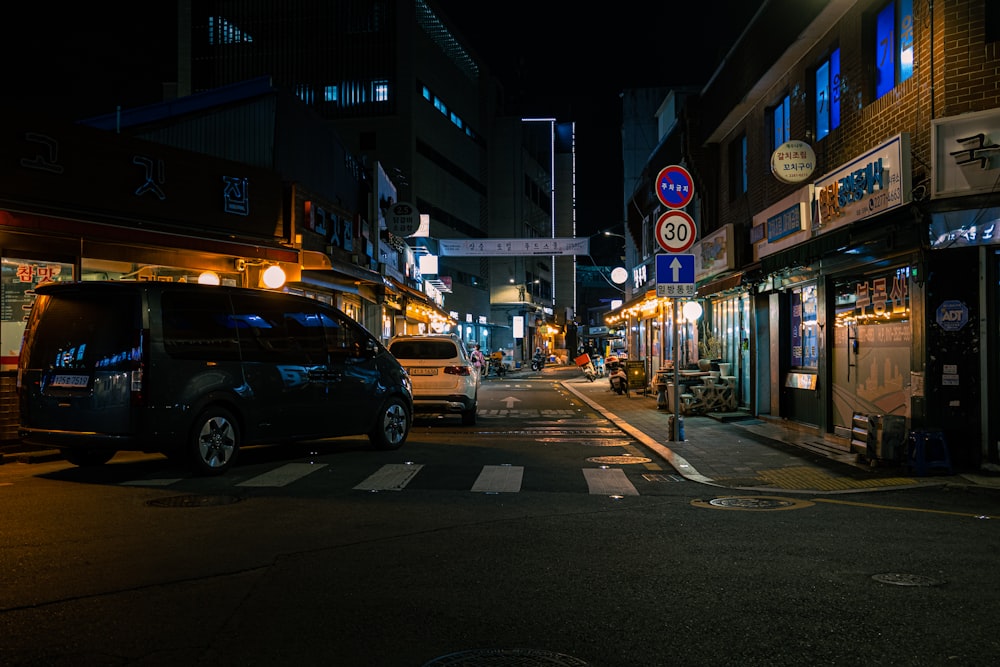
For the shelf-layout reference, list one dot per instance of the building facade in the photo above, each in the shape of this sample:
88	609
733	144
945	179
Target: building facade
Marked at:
847	202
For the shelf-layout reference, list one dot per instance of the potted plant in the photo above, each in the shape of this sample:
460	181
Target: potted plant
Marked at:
710	348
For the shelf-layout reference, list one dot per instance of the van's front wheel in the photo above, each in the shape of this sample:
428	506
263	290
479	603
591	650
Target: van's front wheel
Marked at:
215	441
392	425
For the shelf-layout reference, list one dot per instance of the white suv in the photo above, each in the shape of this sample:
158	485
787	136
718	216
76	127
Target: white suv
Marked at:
444	379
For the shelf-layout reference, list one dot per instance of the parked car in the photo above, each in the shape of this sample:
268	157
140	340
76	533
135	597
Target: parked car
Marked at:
198	371
445	381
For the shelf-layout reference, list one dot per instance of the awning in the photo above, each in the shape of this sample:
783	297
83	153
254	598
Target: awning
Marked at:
721	284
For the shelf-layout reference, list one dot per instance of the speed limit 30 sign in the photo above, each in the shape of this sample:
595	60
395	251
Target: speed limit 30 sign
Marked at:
675	231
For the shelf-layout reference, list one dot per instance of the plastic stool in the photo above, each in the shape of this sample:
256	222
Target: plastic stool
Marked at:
928	450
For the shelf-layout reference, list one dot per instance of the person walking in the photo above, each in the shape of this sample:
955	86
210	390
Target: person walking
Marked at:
478	359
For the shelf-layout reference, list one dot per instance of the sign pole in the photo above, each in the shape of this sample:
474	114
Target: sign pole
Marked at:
676	435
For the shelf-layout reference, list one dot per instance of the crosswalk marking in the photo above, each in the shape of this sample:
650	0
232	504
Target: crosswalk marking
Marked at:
608	482
284	475
499	479
390	477
396	477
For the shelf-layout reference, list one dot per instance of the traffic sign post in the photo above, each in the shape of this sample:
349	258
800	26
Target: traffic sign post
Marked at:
675	278
675	231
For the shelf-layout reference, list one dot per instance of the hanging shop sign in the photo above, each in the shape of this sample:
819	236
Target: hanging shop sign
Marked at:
402	219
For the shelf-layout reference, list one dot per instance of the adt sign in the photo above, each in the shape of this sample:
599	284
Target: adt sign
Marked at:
952	315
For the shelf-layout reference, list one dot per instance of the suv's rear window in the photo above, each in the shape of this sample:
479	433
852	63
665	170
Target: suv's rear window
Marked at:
424	349
83	332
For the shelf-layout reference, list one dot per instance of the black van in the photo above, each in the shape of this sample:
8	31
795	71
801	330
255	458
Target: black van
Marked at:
198	371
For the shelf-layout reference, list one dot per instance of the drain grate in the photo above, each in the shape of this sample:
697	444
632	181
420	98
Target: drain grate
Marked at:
519	657
193	501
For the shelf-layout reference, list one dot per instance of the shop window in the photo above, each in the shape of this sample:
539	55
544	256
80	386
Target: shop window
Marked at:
804	333
893	55
828	95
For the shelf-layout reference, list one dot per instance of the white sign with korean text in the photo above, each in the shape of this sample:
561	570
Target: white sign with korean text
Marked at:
873	183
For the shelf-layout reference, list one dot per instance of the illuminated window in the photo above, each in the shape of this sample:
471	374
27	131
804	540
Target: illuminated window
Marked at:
330	93
893	45
781	123
380	90
828	95
804	333
738	167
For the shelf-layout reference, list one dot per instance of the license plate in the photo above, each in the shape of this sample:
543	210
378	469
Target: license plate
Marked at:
73	381
423	371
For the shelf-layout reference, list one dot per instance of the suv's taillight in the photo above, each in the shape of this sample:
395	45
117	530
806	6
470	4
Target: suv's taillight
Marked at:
457	370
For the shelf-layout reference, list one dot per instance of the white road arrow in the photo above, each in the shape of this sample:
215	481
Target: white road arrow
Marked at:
510	401
676	268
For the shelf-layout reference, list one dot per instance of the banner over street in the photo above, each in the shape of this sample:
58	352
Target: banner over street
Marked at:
513	247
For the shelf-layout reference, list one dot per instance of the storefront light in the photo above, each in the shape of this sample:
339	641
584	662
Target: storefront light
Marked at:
692	310
209	278
273	277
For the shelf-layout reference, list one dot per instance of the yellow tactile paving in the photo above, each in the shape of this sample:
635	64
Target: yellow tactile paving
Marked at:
804	478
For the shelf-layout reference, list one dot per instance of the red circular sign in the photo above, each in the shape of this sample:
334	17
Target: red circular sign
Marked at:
675	231
674	186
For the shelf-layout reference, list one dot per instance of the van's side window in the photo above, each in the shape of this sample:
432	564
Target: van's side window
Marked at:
199	326
270	331
345	339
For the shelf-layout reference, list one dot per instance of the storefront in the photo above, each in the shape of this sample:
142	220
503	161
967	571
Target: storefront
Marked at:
82	204
835	333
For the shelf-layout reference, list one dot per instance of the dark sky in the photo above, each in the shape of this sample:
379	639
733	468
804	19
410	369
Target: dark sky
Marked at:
571	61
554	58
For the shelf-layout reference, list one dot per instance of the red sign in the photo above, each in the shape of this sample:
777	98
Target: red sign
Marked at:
675	231
674	186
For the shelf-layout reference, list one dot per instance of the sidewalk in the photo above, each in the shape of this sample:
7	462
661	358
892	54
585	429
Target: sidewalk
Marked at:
739	451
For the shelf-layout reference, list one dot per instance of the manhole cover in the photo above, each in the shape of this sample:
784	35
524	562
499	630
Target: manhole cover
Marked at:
192	501
519	657
762	503
897	579
613	460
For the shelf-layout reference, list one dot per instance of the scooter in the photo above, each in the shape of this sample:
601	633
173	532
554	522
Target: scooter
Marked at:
537	363
618	379
496	366
587	366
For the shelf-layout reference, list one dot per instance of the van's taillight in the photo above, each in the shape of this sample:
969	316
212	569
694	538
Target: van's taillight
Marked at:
138	372
457	370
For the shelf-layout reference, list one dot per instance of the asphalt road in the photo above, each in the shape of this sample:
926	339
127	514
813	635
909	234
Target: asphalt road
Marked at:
342	561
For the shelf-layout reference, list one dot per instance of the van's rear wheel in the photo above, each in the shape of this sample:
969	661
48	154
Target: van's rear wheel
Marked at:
89	457
215	441
392	425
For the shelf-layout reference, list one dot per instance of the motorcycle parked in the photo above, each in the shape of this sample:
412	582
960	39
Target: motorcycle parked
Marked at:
537	362
618	378
587	366
496	366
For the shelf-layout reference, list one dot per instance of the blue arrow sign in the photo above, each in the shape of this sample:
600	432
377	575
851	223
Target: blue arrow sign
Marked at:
675	275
